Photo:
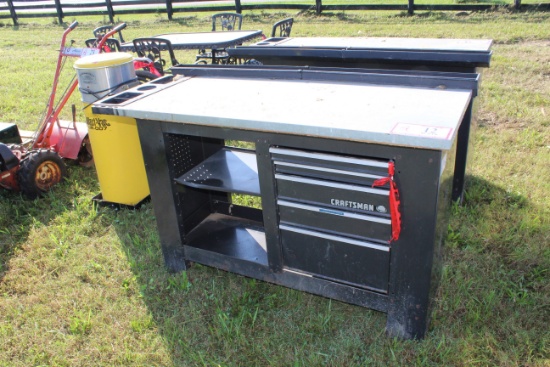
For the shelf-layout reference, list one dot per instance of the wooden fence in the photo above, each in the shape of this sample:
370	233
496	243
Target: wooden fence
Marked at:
49	8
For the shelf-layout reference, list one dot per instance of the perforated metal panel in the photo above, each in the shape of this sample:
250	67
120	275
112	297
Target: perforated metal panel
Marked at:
179	153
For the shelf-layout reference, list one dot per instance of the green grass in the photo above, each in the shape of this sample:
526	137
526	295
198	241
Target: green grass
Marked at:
86	286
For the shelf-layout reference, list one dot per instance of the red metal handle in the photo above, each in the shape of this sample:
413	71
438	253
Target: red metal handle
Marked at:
43	136
110	33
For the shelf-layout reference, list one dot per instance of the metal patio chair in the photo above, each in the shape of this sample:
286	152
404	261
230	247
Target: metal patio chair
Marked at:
112	43
282	28
221	22
104	29
227	22
153	48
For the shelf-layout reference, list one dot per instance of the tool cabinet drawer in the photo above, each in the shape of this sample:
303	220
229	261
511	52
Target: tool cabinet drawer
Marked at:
336	195
325	166
335	221
335	257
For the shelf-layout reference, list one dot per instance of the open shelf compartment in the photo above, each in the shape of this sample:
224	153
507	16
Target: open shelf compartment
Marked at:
228	170
230	236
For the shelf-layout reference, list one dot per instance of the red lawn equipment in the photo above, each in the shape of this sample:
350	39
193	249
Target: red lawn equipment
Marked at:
34	167
147	67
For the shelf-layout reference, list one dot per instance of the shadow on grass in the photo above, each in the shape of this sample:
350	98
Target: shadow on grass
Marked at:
18	214
490	305
495	279
208	317
495	221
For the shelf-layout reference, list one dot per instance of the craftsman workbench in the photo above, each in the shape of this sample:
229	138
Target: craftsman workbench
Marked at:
434	54
351	171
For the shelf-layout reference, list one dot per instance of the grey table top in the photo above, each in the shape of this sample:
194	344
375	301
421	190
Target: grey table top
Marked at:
203	40
469	53
404	116
387	43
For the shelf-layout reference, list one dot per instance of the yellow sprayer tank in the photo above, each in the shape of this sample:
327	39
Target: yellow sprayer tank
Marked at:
114	139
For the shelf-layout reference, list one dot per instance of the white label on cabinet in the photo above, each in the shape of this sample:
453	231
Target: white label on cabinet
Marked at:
425	131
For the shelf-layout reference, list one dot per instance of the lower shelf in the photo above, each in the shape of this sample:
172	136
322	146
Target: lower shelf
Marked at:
230	236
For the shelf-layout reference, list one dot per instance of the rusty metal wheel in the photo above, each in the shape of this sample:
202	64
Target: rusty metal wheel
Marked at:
40	171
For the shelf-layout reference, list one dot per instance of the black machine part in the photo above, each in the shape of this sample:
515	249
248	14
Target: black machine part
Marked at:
9	134
8	160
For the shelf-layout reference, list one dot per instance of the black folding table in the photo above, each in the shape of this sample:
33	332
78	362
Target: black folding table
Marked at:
428	54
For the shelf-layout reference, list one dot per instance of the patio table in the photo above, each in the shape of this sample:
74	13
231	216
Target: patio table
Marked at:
203	40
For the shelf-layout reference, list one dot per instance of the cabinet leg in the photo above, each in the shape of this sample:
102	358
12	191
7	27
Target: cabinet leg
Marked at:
407	322
463	138
174	260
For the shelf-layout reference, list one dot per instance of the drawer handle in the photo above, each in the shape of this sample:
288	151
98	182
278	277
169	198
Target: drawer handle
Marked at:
326	170
328	157
329	211
330	237
336	185
395	214
311	208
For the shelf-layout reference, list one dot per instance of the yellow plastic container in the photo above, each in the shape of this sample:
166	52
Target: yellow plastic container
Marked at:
118	159
115	142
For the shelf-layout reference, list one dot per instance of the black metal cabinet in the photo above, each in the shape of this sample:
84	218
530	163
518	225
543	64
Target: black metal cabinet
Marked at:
307	236
325	223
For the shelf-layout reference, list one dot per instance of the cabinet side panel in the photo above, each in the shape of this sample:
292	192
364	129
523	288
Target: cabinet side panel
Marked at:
418	179
183	153
162	195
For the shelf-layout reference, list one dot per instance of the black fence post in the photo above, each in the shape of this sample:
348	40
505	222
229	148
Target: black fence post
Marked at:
59	10
111	11
318	6
238	6
169	9
410	8
12	12
517	4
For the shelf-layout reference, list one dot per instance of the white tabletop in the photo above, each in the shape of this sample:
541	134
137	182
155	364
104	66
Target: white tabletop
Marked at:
404	116
387	43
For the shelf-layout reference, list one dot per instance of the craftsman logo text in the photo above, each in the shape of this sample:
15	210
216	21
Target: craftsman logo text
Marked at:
358	205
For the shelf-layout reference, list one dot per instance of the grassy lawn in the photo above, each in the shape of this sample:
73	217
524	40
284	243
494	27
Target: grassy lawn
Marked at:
86	286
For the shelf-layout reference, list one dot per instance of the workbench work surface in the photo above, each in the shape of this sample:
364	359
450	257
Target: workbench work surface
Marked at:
394	115
387	43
